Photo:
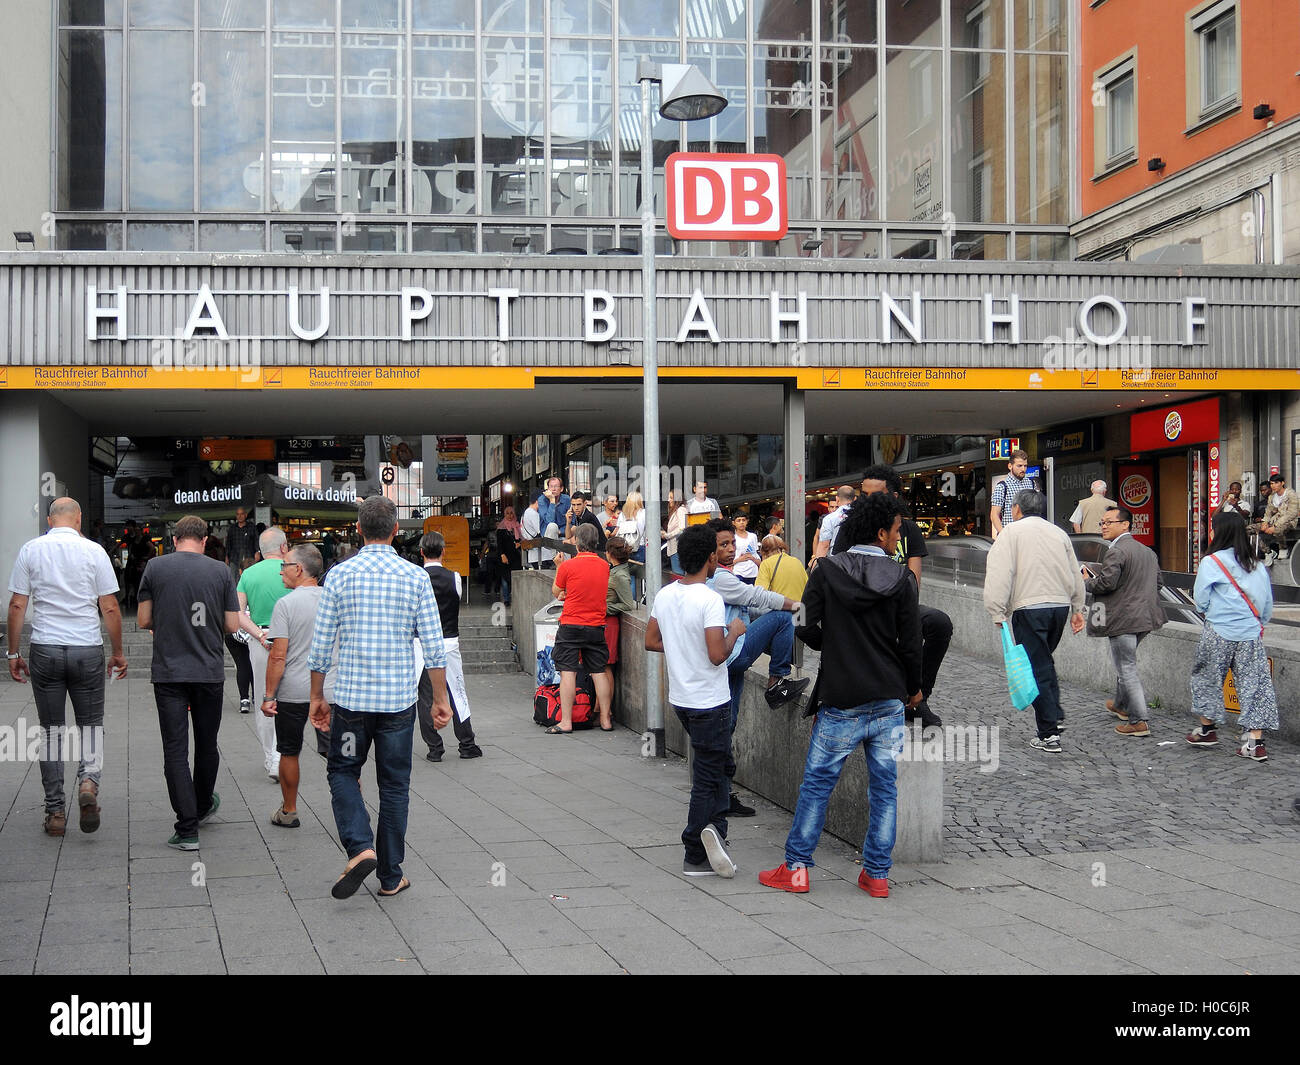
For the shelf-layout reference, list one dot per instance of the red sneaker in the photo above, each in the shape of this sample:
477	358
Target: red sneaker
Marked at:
785	879
877	889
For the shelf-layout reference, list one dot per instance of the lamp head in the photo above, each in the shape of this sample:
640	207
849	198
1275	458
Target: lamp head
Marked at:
687	95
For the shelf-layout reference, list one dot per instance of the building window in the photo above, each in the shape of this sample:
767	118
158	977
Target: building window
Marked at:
1114	98
1214	67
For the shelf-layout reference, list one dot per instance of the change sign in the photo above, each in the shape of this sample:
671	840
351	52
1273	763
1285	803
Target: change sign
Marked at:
720	196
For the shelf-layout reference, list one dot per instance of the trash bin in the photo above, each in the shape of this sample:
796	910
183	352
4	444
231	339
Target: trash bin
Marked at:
546	623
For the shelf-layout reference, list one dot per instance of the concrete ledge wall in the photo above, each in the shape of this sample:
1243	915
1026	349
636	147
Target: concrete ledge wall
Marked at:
1165	658
770	746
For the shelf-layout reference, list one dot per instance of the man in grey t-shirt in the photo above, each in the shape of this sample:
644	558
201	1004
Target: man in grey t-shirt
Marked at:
288	680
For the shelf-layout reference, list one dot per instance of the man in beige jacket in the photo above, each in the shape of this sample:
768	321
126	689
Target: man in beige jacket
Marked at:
1033	580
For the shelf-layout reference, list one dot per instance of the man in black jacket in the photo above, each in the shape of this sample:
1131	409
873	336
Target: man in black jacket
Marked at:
446	590
861	613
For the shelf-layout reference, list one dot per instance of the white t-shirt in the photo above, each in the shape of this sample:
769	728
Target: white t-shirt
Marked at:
831	525
707	505
65	574
531	525
749	566
683	612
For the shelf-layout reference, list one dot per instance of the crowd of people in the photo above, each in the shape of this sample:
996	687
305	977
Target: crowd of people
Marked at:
368	646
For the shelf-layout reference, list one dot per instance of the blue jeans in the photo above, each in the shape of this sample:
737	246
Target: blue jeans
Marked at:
351	735
59	671
676	564
710	790
879	727
771	634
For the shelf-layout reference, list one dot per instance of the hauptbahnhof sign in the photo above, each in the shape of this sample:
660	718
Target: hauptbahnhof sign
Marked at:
77	320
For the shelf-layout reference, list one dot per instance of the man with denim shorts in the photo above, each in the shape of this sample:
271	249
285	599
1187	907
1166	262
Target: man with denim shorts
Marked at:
687	623
377	604
861	613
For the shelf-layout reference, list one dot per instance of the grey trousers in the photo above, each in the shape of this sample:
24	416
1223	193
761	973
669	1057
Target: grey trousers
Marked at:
1129	695
60	671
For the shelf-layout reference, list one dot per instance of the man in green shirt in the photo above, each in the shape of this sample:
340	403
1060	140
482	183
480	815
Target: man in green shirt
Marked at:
259	589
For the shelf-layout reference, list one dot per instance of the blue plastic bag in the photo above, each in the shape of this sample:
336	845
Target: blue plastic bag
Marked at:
1020	674
546	668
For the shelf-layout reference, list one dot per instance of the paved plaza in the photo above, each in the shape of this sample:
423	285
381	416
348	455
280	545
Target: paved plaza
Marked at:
561	855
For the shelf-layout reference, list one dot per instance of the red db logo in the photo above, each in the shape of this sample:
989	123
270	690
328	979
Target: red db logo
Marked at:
719	196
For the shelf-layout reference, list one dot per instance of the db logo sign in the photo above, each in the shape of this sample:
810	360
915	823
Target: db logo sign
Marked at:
718	196
1135	490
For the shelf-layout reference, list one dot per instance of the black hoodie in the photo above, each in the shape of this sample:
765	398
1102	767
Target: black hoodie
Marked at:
860	611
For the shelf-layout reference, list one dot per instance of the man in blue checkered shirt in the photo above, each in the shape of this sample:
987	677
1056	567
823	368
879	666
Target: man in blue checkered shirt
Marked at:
1006	491
375	604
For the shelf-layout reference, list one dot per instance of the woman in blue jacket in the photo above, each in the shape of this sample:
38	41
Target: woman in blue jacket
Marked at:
1234	593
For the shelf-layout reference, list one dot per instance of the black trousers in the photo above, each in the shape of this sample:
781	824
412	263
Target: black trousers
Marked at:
936	635
424	715
243	666
178	706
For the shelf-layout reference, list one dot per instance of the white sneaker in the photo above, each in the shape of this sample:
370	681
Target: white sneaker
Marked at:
719	859
1283	554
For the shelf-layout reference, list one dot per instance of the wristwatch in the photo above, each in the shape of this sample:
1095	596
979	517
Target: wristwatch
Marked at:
12	655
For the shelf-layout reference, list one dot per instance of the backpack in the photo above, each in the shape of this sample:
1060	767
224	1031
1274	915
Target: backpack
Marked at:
546	703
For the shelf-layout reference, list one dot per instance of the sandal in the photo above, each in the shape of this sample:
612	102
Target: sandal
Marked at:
284	819
346	885
555	730
397	890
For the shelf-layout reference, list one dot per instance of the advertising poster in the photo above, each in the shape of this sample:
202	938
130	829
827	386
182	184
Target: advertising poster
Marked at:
495	457
542	455
453	465
1136	491
526	458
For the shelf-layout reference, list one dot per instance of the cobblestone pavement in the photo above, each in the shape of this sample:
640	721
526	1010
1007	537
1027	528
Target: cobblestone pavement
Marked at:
1104	790
561	855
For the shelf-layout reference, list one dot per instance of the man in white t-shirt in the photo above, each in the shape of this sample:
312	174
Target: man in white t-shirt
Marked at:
531	527
748	557
702	503
69	581
830	527
687	623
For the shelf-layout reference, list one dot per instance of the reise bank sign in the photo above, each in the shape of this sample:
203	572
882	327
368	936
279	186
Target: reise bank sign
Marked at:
899	316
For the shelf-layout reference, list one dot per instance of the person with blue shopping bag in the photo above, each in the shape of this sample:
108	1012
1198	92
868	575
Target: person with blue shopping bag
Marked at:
1033	580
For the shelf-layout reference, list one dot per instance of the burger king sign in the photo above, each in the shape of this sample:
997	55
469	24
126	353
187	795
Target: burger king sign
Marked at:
1137	493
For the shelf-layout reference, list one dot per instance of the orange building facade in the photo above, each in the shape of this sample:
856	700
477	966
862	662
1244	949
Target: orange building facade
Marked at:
1199	71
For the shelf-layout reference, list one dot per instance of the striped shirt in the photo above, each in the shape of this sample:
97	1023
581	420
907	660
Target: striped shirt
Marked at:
1006	492
377	604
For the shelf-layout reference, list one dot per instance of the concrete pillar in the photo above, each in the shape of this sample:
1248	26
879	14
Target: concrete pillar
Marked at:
796	465
45	447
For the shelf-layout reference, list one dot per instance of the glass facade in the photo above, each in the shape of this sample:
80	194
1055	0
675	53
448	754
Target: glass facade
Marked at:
910	128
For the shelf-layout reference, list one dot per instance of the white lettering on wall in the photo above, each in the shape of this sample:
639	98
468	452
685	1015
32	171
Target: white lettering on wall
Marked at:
799	317
411	313
295	315
593	315
1085	320
204	315
503	296
1010	318
115	312
891	312
698	319
1193	321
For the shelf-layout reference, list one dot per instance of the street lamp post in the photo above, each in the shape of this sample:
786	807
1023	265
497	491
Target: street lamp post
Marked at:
685	95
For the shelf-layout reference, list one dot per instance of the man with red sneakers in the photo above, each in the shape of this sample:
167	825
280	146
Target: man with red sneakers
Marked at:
861	613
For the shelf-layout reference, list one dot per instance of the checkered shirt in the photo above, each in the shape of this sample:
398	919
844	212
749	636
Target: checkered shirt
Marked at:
1006	492
376	603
